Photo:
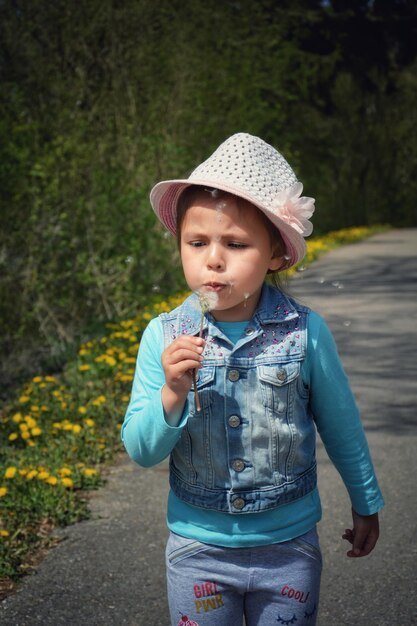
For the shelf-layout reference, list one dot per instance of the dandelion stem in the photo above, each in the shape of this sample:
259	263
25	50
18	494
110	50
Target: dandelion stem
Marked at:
208	302
196	396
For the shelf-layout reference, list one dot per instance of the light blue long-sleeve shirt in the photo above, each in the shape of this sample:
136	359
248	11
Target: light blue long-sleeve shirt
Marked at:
149	439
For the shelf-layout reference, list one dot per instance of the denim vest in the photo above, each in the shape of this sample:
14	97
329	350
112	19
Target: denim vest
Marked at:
252	445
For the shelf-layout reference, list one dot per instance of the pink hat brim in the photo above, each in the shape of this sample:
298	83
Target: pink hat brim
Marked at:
164	198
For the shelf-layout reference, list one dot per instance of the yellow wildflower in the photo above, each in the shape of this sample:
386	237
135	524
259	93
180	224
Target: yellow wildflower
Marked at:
43	475
126	378
13	436
76	428
31	423
67	482
50	379
105	358
89	422
99	400
10	472
3	491
84	368
17	417
51	480
89	471
23	399
31	474
65	471
4	532
82	410
25	434
36	431
34	408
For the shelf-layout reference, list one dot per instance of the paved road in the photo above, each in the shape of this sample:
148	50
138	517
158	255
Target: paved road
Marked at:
109	571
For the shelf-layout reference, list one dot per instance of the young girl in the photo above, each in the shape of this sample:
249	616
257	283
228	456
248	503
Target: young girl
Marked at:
232	385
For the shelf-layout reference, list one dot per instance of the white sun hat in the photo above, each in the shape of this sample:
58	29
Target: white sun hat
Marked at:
250	168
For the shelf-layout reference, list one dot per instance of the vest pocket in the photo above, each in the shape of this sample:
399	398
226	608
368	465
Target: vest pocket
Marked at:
191	456
279	375
278	384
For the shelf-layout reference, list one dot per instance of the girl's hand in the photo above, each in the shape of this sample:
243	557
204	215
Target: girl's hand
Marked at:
364	534
182	355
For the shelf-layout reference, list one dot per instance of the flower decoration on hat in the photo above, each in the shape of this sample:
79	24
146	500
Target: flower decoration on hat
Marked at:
294	209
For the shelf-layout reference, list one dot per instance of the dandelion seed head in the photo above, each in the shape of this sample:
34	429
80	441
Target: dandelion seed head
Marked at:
208	300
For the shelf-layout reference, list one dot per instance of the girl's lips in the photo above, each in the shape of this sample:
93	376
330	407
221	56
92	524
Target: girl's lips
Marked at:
214	286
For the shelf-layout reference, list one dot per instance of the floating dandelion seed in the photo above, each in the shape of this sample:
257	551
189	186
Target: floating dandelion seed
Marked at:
215	193
219	210
208	301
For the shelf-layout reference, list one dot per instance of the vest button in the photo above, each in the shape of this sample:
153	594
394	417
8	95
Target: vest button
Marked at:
249	331
238	504
238	465
234	421
233	375
282	375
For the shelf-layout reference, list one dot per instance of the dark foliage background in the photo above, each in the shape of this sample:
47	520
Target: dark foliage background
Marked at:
100	99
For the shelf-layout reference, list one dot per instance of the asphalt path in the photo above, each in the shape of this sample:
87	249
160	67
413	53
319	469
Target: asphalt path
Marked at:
109	570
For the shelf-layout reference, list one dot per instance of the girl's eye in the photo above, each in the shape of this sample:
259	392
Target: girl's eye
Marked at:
236	245
196	244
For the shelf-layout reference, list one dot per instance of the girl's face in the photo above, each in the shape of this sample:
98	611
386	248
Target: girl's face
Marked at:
226	249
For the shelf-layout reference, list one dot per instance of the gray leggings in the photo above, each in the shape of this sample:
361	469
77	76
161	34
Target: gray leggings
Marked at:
213	586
